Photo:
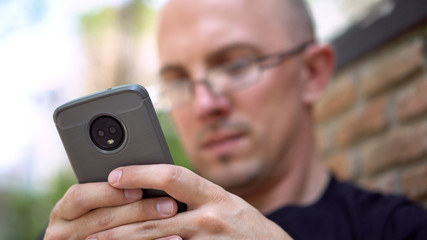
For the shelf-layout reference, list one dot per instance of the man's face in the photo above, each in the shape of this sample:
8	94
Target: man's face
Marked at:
239	140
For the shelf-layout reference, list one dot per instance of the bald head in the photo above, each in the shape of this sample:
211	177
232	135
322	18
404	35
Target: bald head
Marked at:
293	15
296	18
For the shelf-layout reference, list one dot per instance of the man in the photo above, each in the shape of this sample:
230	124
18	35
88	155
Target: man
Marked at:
241	78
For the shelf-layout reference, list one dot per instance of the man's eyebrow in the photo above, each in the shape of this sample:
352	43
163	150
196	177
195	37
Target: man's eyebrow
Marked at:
235	46
212	57
170	67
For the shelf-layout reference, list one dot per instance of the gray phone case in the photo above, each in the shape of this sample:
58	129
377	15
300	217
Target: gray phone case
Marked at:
144	142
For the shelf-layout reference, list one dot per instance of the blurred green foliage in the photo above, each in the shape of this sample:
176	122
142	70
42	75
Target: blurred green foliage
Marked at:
99	22
135	18
27	212
175	147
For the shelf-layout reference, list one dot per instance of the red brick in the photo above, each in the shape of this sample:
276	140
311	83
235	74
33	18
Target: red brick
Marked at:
340	165
339	96
361	123
412	101
414	182
391	67
398	147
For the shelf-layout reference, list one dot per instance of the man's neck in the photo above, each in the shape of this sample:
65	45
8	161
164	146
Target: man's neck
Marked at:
302	182
300	187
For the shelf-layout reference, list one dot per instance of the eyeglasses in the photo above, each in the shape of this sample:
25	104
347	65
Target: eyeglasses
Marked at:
224	78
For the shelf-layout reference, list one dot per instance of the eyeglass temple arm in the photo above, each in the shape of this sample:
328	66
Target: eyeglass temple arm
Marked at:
276	59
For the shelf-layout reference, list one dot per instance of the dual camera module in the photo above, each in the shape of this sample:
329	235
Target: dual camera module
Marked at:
106	133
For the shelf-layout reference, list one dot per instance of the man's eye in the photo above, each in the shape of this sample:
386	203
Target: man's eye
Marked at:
176	83
237	67
171	76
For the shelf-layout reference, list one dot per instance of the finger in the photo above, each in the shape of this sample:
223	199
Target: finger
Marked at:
179	182
82	198
170	238
159	229
140	211
110	217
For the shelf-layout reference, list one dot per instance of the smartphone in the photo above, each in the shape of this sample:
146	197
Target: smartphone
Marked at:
112	128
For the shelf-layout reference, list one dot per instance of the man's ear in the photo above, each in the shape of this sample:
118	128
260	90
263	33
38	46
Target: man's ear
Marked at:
320	63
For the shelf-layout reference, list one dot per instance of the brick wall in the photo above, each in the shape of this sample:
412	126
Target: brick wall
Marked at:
372	120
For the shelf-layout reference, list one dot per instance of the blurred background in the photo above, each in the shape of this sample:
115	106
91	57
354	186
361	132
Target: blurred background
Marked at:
54	51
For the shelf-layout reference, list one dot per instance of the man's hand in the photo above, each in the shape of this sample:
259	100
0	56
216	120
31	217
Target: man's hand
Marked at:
212	211
93	207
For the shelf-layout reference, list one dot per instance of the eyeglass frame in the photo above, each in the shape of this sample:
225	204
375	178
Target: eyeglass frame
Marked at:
274	58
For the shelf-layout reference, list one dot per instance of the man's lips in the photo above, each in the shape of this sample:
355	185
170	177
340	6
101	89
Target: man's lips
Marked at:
222	143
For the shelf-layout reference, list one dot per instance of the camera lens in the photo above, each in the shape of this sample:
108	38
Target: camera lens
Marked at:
101	133
106	133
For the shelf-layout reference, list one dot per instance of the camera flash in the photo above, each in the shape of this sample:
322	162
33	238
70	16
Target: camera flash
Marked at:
110	141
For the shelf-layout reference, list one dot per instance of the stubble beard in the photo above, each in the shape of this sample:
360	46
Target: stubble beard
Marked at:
239	172
237	176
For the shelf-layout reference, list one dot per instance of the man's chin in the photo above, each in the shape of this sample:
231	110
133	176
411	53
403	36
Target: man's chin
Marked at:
235	181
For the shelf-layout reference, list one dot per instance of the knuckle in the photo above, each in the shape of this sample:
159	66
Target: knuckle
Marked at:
142	210
74	196
55	214
147	229
218	195
56	233
103	217
111	234
211	221
172	174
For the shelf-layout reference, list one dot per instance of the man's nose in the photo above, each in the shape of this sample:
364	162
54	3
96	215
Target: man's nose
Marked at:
208	104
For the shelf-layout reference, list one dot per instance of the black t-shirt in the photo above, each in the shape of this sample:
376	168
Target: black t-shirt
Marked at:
346	212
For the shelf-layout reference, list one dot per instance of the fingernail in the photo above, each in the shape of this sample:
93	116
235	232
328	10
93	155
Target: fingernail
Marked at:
133	194
92	238
115	176
165	207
